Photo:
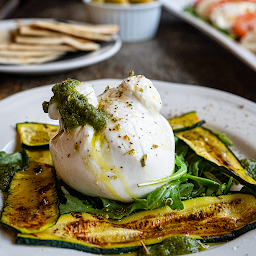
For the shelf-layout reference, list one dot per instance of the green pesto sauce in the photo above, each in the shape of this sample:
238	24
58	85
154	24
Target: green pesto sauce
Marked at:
74	108
175	245
250	167
9	165
6	173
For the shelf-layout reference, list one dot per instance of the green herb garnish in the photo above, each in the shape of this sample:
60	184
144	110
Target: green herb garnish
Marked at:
74	108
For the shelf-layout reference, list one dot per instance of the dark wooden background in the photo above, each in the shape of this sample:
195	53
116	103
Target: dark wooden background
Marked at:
179	53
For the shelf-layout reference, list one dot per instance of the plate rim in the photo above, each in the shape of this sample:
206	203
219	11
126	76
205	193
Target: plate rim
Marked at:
158	82
243	241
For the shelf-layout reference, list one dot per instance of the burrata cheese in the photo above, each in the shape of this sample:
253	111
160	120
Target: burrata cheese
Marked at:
135	146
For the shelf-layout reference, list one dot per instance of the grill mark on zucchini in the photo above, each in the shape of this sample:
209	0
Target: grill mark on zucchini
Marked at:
34	134
31	205
201	218
175	223
201	224
78	230
208	146
194	136
185	122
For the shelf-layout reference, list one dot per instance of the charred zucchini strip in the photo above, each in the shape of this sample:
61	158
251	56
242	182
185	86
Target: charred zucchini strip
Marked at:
42	156
36	134
185	122
31	205
210	147
201	218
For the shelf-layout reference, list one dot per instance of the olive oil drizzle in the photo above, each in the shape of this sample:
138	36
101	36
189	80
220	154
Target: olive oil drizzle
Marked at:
103	159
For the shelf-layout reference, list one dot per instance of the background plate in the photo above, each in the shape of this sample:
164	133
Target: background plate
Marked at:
67	62
222	111
177	7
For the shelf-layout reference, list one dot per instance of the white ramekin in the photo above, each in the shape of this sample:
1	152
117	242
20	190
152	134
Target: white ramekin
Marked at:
137	22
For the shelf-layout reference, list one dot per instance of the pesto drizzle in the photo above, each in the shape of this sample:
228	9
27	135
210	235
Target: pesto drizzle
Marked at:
74	108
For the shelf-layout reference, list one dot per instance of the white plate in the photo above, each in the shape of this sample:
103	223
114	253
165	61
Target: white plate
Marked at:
177	7
222	111
67	62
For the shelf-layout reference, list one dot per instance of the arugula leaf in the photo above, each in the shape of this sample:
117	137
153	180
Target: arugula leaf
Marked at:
186	190
207	180
167	194
182	169
73	204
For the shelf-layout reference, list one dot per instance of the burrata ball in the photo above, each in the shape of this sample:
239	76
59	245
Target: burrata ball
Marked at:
136	144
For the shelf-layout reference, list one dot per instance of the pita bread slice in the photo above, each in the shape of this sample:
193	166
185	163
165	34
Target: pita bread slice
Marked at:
28	60
5	36
79	44
29	30
107	29
96	28
13	53
73	30
34	47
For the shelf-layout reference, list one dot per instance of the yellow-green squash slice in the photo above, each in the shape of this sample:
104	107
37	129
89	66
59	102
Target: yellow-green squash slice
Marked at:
35	134
207	145
185	122
203	217
31	205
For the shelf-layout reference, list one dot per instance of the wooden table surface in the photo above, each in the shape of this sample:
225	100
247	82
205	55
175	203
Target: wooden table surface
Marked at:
179	53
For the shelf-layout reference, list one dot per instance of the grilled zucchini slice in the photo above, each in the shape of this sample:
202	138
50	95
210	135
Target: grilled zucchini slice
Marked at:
35	134
31	205
208	145
185	122
201	218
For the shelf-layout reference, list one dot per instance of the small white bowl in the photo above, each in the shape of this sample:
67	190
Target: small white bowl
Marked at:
137	22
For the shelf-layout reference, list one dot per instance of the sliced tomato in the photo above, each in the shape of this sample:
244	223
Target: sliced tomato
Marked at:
244	24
